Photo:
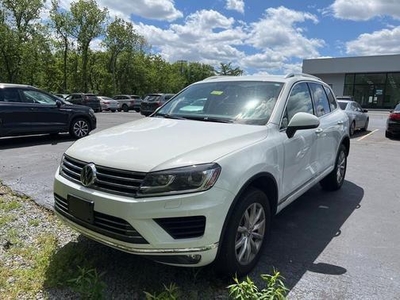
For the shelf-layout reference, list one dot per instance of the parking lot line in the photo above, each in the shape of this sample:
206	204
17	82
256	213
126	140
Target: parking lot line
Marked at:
363	137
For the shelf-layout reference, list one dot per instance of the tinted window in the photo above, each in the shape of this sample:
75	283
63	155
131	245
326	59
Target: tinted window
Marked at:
321	102
9	95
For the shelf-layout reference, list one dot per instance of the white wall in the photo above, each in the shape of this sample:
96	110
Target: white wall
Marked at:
336	81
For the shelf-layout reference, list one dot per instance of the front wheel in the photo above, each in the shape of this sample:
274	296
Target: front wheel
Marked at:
79	128
246	234
125	108
334	180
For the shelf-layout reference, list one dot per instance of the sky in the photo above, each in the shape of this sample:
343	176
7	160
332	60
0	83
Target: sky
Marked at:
261	36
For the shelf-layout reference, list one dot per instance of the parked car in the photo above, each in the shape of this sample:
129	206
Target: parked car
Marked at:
26	110
358	116
153	101
62	96
128	102
87	99
108	104
223	172
393	122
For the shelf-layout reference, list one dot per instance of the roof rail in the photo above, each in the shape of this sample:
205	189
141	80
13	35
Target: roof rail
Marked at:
302	74
216	77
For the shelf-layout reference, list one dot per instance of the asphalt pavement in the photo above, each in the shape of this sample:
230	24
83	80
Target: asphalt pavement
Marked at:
327	245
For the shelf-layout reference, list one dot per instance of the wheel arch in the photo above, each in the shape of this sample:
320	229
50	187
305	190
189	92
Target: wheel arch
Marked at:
263	181
346	142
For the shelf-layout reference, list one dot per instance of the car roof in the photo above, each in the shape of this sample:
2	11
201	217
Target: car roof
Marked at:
274	78
15	85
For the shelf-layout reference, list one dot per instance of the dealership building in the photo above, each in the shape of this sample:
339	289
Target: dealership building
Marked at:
373	81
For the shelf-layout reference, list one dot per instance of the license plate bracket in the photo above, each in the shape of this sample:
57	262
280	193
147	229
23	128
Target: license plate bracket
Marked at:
81	208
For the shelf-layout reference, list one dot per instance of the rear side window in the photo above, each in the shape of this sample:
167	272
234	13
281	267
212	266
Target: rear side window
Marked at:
331	98
321	101
9	95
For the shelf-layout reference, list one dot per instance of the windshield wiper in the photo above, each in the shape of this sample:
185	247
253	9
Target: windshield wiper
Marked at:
210	119
168	116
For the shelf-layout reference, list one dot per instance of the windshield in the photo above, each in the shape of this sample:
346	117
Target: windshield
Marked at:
248	102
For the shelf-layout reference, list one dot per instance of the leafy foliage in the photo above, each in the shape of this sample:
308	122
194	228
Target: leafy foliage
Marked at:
247	289
59	55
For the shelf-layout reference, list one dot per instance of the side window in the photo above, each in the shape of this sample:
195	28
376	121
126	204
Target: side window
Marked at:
11	95
37	97
299	101
331	98
321	102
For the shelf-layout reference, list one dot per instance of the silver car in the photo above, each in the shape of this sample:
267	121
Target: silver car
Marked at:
108	103
358	117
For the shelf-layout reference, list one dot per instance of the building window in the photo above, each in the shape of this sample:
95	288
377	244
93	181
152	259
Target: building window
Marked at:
373	90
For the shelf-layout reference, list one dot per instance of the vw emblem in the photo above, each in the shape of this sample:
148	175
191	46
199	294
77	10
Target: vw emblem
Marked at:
88	174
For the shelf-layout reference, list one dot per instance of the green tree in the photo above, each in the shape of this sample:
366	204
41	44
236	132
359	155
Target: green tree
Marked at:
16	30
87	24
227	69
121	37
62	24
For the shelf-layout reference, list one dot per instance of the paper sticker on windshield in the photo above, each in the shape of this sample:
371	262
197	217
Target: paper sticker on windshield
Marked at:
217	93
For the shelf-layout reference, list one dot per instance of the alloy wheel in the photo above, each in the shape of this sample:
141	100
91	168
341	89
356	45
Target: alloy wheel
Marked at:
250	233
81	128
341	166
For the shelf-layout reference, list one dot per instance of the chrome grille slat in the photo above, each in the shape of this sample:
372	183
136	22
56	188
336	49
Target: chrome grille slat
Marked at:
115	181
133	180
117	185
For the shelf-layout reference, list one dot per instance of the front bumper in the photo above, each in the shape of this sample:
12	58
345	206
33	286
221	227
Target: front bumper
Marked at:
153	240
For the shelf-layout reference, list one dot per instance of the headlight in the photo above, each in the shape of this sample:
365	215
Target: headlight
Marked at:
190	179
91	112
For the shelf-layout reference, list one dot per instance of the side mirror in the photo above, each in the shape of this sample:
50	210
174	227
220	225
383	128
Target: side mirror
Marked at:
58	103
300	121
365	110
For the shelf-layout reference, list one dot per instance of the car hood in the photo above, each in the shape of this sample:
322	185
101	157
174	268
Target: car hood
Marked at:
152	144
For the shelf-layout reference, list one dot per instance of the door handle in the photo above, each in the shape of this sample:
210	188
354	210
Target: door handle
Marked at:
340	122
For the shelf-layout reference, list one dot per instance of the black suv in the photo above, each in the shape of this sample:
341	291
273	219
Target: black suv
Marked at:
153	101
26	110
87	99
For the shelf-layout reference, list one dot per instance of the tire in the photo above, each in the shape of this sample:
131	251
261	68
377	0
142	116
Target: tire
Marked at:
242	243
334	180
365	128
79	128
125	108
352	128
137	110
113	110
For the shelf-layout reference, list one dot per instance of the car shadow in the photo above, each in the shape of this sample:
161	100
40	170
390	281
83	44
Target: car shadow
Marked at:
360	133
33	140
300	233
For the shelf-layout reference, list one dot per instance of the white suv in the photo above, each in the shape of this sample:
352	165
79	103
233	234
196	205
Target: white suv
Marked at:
200	179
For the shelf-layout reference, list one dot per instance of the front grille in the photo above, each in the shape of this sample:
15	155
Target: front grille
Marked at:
107	225
183	227
111	180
